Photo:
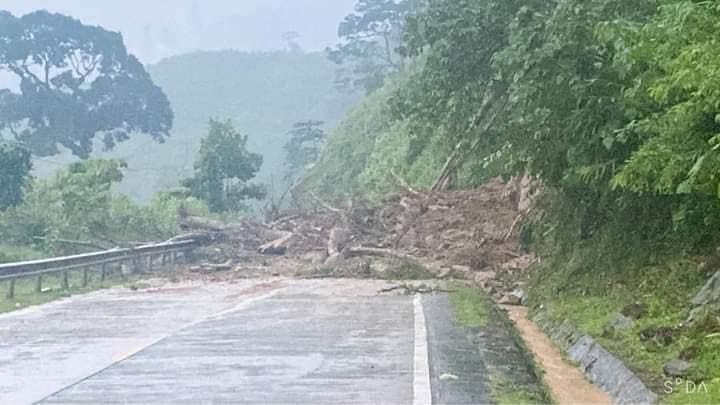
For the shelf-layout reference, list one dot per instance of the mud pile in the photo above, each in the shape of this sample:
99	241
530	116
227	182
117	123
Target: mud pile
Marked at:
469	235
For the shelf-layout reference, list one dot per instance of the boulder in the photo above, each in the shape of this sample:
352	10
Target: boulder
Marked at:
706	300
709	293
520	294
510	299
676	368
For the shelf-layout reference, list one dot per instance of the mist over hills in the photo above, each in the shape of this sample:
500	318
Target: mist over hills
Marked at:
263	93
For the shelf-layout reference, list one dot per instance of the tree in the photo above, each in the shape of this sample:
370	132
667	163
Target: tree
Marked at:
370	38
303	148
76	82
15	166
674	103
85	194
291	41
224	168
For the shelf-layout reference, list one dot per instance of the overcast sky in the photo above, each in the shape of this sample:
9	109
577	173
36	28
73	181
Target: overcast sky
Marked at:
154	29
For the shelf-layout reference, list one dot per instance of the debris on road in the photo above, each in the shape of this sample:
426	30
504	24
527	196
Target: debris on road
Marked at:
469	235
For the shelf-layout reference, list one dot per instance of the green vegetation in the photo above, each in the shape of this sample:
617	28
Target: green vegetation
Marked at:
76	211
591	298
77	82
52	289
223	169
472	307
504	392
264	94
303	148
371	37
15	167
611	105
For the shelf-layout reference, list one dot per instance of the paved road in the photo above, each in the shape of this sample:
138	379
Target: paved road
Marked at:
251	342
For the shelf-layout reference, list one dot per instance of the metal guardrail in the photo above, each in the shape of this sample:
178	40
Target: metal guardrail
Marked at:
97	261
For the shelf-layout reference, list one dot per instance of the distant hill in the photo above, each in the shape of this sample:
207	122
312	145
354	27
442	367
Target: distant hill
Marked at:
263	93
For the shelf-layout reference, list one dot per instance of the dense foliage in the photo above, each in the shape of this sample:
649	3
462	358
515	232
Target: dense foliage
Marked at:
613	105
263	93
371	40
15	166
76	82
76	210
303	148
224	168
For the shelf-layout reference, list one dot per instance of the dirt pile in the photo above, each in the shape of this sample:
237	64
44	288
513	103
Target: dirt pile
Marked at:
469	234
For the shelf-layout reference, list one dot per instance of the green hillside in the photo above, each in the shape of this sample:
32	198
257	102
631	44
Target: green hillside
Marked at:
263	93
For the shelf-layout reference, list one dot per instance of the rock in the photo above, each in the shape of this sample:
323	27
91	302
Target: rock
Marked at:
676	368
517	297
709	293
608	372
699	313
707	300
444	272
510	299
521	294
621	323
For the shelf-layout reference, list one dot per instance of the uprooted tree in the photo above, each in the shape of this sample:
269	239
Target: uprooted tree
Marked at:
75	83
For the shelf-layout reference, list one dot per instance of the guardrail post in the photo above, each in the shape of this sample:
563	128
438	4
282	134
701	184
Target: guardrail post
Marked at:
150	262
65	282
163	259
11	289
123	265
103	268
85	277
38	284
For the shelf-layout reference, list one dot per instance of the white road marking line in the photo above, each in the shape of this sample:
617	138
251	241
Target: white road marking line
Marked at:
422	394
245	303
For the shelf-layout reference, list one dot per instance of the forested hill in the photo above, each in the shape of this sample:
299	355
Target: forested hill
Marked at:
263	93
613	107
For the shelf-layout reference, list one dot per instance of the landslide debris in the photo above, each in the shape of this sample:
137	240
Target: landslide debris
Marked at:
470	234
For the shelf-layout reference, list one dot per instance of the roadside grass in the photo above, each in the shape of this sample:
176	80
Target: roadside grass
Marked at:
590	299
26	294
472	307
10	254
506	393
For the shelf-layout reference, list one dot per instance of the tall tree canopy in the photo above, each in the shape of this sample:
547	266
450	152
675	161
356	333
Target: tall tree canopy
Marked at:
224	168
76	82
303	147
370	40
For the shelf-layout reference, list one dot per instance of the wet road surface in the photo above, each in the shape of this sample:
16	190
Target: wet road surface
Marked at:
329	341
